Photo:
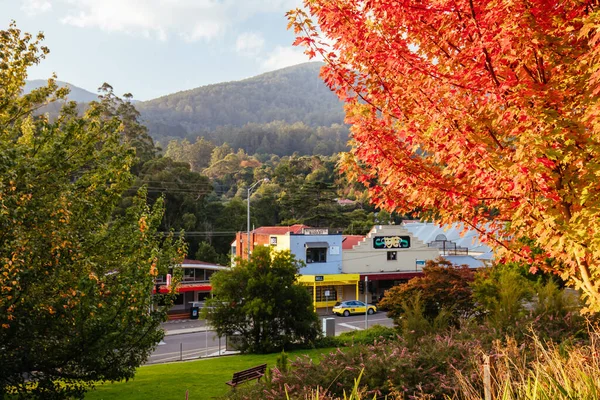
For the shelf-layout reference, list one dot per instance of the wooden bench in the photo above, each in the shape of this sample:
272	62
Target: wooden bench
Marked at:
247	375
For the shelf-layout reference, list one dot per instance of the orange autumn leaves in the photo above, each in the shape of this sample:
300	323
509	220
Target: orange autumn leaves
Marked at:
483	112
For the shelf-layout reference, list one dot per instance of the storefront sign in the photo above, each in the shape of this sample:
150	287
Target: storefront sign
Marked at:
318	278
315	231
391	242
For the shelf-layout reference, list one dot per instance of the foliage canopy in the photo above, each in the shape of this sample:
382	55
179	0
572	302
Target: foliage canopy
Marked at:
260	300
484	112
75	282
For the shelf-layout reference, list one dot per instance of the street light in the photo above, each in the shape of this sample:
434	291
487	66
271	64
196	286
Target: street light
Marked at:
255	184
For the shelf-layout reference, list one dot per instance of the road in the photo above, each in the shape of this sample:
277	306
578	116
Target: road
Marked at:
194	345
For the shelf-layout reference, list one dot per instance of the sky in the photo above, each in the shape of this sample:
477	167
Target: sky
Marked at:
152	48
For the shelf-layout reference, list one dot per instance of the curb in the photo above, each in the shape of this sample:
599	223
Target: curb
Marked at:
185	330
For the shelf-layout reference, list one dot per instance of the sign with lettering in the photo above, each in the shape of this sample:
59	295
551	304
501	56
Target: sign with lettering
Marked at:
391	242
273	241
315	231
318	278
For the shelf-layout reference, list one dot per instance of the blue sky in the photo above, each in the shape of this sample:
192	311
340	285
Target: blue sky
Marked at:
151	48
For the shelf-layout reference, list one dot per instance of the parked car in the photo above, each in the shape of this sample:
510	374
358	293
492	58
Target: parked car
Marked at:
346	308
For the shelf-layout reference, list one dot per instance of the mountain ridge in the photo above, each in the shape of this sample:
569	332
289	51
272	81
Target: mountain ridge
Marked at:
76	93
292	94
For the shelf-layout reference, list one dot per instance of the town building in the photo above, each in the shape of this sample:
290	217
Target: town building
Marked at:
392	254
387	256
319	248
336	265
195	284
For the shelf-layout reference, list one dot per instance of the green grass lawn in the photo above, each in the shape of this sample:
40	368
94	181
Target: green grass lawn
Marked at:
203	379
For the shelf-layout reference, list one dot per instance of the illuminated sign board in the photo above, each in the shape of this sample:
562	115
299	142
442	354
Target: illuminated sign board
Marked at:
391	242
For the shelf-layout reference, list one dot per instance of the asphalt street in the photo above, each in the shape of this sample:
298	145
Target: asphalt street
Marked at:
189	339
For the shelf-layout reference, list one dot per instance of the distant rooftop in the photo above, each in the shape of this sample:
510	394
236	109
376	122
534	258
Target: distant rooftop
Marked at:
469	261
350	241
280	230
429	232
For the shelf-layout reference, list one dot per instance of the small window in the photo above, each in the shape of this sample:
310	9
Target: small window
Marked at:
392	255
316	255
188	274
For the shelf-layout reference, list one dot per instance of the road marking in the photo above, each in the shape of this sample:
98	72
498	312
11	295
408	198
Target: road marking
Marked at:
356	328
379	319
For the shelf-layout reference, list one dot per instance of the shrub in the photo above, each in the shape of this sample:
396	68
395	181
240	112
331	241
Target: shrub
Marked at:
556	314
388	368
365	336
500	294
442	287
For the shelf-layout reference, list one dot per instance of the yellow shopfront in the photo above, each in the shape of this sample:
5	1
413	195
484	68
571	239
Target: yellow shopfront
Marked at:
326	290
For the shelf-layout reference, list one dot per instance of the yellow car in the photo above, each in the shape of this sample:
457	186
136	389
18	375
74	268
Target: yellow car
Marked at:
346	308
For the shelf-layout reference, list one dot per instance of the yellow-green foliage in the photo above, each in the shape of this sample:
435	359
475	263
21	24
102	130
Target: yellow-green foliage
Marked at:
554	373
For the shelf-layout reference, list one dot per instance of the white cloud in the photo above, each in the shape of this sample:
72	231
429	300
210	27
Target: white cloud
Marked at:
249	43
34	7
283	57
191	20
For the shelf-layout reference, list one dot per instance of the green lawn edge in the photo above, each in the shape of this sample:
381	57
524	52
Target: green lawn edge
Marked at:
203	378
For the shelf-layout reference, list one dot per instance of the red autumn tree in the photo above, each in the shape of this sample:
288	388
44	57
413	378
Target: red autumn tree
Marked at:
484	112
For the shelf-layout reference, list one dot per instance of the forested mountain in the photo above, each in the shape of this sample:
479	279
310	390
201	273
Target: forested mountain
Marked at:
280	112
293	94
76	94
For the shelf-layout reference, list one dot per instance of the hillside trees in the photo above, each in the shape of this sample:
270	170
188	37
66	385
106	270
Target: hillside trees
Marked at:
484	112
293	94
75	282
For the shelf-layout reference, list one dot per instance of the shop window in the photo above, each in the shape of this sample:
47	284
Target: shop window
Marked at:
392	255
178	300
316	255
322	291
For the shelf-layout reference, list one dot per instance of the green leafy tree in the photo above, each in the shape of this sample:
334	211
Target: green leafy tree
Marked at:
260	300
132	132
207	253
500	293
75	282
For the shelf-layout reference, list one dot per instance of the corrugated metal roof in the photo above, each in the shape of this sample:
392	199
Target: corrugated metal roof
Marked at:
469	261
429	232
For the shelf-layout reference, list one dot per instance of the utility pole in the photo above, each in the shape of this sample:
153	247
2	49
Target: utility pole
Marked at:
366	303
250	188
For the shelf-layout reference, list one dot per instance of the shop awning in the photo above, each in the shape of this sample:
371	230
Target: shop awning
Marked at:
390	276
316	245
186	288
